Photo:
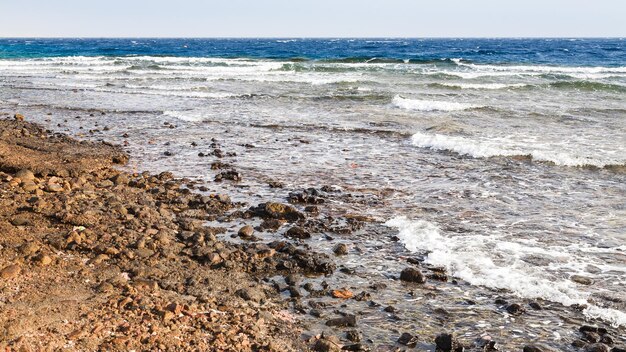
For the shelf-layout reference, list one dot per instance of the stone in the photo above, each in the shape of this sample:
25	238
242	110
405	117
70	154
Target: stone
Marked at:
246	231
412	275
348	320
43	259
341	249
54	187
597	347
25	175
515	309
345	294
18	117
583	280
29	186
353	336
447	343
250	294
298	233
20	220
408	340
10	272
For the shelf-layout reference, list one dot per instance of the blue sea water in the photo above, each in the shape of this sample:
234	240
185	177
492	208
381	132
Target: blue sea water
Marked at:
568	52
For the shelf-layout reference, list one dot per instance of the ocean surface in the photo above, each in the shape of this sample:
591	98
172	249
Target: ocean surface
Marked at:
502	160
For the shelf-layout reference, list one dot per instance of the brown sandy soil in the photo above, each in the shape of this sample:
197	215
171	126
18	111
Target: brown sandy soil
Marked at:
92	258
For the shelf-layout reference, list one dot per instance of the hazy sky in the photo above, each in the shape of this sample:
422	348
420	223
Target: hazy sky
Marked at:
312	18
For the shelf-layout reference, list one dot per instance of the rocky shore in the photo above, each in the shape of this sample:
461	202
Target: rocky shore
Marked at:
96	258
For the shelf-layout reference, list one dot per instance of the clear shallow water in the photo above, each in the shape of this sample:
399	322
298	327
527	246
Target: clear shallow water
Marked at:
501	160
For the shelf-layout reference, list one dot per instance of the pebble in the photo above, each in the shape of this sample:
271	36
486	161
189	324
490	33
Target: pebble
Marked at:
18	117
54	187
341	249
412	275
583	280
25	175
408	340
447	342
297	232
345	321
10	272
515	309
246	231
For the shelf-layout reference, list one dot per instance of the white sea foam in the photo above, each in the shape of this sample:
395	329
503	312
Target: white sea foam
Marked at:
490	86
468	258
429	105
506	146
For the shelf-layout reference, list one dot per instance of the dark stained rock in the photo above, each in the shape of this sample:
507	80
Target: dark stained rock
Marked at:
341	249
515	309
298	233
353	335
408	340
348	320
412	275
447	343
273	210
597	347
246	231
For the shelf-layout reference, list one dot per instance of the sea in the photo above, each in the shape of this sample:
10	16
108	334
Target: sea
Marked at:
501	160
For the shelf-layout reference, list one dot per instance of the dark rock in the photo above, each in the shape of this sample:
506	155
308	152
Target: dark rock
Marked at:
345	321
231	175
581	279
273	210
597	347
618	349
588	328
408	340
341	249
353	335
447	343
298	233
579	343
250	294
357	347
535	306
515	309
412	275
592	337
537	348
246	231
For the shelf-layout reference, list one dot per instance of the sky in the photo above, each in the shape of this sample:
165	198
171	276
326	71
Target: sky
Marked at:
312	18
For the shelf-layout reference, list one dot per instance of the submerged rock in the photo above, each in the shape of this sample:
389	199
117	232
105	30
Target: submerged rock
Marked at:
408	340
412	275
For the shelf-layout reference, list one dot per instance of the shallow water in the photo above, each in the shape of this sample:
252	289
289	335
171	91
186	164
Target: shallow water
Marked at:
509	172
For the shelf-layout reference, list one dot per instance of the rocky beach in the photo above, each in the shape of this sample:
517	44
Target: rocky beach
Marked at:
97	258
241	194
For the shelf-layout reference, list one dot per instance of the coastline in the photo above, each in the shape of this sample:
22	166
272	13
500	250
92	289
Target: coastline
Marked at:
98	258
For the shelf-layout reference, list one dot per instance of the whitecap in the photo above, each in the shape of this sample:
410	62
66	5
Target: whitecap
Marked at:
430	105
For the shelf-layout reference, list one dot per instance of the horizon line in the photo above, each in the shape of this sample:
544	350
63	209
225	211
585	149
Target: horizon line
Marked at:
320	37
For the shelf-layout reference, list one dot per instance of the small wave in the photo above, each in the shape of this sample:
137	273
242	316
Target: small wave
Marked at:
466	257
489	86
430	105
493	147
589	86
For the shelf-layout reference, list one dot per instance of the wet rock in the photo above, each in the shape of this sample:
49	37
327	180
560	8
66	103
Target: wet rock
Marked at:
297	232
327	344
597	347
10	272
231	175
588	328
273	210
345	294
353	336
341	249
356	347
18	117
618	349
348	320
271	224
408	340
537	348
447	342
515	309
412	275
25	175
591	336
581	279
292	279
246	232
535	305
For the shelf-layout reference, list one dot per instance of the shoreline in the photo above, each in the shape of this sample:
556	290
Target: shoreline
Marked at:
137	260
